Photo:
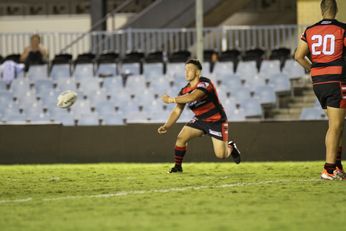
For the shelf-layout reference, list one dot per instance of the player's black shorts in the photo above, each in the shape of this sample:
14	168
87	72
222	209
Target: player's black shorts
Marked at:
331	94
218	130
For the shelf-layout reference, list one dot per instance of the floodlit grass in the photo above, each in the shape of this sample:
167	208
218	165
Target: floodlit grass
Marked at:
207	196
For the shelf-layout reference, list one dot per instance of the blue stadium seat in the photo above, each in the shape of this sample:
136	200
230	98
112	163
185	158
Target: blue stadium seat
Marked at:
229	105
237	114
81	107
137	117
113	84
20	87
252	108
120	98
26	99
83	70
43	85
66	84
49	98
36	72
5	97
312	114
130	68
37	117
89	86
105	107
13	116
246	70
97	97
158	115
266	95
293	69
35	107
281	83
91	119
65	119
176	70
270	67
135	83
112	119
107	70
160	85
3	86
144	97
241	95
60	71
223	70
255	82
153	70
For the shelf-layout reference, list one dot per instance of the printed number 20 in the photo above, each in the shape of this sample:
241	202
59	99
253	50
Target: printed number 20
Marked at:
324	41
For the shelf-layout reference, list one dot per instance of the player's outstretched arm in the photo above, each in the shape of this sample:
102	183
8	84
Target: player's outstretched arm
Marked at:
173	117
187	98
300	55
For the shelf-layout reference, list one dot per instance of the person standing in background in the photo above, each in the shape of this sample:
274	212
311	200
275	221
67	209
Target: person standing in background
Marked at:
36	53
325	41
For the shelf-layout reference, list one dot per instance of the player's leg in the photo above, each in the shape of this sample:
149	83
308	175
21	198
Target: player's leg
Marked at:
335	128
186	134
222	147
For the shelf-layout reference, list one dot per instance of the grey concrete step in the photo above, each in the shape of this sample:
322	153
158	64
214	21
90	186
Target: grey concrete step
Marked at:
301	104
282	111
287	117
305	99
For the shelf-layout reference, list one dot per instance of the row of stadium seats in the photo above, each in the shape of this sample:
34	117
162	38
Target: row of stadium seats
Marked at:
133	62
176	70
131	99
160	56
135	98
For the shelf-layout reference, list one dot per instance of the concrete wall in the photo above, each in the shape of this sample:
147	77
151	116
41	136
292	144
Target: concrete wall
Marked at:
309	12
58	23
258	141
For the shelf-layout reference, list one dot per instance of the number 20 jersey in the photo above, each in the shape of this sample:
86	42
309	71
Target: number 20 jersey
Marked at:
326	41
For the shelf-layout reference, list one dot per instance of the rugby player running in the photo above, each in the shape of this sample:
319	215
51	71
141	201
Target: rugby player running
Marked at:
210	118
325	41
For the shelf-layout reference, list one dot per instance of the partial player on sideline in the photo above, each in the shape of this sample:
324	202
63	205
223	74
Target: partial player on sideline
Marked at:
210	117
325	41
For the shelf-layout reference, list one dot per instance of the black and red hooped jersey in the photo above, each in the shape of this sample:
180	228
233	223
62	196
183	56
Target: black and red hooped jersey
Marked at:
326	40
208	108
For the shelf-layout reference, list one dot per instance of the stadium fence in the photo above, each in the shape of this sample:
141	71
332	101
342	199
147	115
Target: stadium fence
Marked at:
148	40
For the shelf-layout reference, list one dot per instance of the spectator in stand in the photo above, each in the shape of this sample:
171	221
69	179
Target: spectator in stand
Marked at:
36	53
213	59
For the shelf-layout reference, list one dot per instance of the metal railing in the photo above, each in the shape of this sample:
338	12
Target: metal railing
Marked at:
148	40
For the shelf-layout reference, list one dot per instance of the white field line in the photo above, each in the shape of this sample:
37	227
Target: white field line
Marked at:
167	190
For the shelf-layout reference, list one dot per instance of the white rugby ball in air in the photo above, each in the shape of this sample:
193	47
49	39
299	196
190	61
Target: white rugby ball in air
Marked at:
66	99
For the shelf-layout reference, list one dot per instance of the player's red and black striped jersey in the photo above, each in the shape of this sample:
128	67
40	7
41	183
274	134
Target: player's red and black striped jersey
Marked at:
326	41
208	108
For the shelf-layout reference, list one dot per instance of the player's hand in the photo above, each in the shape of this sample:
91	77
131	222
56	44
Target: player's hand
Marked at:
162	130
166	99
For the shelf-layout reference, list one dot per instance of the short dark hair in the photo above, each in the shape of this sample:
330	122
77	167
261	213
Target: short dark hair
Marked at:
329	6
35	36
195	62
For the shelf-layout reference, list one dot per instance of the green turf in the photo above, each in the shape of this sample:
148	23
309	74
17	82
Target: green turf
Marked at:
249	196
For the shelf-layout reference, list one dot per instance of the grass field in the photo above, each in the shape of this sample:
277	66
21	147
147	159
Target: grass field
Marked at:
207	196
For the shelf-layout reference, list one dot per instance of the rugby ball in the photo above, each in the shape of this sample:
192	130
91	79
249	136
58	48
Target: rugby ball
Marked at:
66	99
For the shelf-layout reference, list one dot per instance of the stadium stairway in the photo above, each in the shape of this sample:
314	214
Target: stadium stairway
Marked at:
292	106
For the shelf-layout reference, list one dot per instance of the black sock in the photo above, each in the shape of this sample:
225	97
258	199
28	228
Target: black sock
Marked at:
330	167
179	153
338	159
